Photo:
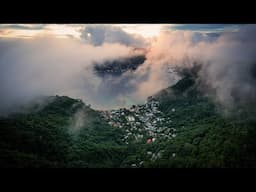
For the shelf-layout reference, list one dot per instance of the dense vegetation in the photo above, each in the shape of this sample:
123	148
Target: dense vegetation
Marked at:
50	138
65	132
118	67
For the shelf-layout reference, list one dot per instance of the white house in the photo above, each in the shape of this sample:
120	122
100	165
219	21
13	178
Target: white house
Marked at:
130	118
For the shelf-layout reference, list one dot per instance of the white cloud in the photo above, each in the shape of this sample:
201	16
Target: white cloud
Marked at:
146	30
100	34
50	66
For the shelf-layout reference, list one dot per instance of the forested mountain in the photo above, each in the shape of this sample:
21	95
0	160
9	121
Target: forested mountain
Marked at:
177	127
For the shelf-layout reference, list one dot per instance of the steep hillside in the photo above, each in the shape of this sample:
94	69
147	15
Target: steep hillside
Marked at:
64	133
178	127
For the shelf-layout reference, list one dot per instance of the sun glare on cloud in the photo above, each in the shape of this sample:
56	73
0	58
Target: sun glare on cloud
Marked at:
59	31
73	30
146	30
63	31
24	34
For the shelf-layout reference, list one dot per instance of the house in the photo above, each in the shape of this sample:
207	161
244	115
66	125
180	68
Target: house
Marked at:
137	123
154	157
117	124
159	154
130	118
151	134
149	140
149	114
140	136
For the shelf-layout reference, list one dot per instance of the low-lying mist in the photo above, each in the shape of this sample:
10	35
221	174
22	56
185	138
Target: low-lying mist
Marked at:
49	66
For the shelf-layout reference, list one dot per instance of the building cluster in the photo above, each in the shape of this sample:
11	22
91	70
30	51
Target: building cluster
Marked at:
141	123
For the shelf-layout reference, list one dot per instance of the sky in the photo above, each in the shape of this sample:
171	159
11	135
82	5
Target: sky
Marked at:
74	30
50	59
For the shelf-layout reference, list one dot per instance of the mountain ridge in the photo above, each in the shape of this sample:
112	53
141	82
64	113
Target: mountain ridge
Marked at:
178	127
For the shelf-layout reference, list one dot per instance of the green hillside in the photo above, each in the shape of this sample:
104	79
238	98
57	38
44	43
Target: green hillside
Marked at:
48	138
178	127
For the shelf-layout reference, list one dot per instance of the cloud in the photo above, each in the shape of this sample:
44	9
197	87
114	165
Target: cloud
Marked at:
50	66
211	28
5	32
147	30
35	30
231	67
23	26
228	63
100	34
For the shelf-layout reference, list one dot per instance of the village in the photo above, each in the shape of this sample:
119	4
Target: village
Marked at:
142	123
